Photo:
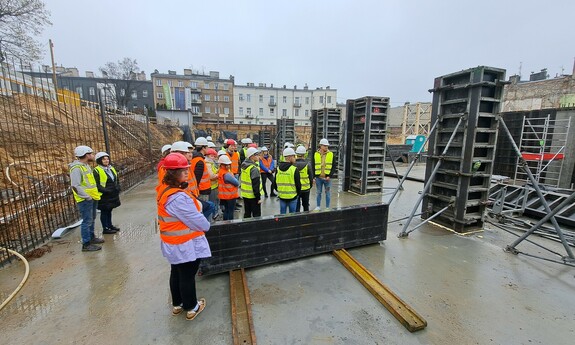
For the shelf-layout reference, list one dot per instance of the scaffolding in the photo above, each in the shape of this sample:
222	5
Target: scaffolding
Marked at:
542	146
416	119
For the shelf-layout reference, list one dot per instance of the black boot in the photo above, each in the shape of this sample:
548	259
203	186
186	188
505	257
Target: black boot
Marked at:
109	231
113	227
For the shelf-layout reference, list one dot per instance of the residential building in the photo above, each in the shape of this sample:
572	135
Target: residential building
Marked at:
207	96
264	105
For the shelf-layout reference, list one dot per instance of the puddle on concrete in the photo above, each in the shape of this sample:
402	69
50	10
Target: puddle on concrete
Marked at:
32	307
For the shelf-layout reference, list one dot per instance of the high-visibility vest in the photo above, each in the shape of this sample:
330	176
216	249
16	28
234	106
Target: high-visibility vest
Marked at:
246	183
285	181
304	178
192	183
267	162
282	158
173	230
161	174
235	158
213	167
226	191
104	176
88	182
328	162
204	183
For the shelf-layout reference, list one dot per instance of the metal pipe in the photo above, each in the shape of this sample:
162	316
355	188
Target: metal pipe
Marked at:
429	219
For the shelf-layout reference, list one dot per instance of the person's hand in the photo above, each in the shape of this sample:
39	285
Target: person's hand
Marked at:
327	178
259	201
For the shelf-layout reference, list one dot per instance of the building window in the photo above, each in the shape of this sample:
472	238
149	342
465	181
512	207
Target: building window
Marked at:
226	86
248	111
241	122
261	98
226	111
180	83
307	100
296	112
158	82
122	92
261	111
297	101
134	94
207	98
92	91
261	122
284	112
272	100
160	95
226	98
306	113
271	123
241	96
217	98
272	111
328	99
144	93
320	99
284	99
206	85
79	91
207	110
169	83
241	111
248	97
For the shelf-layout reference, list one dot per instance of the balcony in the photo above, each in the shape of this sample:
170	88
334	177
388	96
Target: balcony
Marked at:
297	104
196	101
249	116
272	103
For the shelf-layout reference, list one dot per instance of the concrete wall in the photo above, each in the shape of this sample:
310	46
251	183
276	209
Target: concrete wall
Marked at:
543	94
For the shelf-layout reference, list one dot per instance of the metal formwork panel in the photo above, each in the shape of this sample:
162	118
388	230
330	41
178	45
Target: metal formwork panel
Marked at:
326	123
463	178
285	133
365	144
265	138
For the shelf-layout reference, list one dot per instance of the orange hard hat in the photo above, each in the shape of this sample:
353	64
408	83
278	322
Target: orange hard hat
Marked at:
175	161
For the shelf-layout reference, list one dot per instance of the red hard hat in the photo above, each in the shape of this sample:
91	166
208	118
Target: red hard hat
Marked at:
253	145
211	152
175	161
231	142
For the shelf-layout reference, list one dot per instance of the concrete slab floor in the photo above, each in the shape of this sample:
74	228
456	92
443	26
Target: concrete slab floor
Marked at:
466	287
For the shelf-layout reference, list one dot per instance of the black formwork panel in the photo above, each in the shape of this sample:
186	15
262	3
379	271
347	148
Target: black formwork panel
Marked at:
254	242
365	144
326	123
285	133
475	96
265	138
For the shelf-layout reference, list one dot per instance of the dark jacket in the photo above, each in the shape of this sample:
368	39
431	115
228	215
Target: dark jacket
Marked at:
283	166
110	193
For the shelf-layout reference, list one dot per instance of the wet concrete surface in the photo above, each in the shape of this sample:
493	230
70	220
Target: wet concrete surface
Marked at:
467	288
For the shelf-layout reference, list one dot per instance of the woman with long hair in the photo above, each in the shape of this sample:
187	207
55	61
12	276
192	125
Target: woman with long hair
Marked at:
108	185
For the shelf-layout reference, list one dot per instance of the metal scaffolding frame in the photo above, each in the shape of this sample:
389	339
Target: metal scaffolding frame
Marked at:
416	119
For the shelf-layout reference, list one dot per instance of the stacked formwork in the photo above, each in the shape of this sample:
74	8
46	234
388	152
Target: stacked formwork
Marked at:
326	123
462	149
285	130
265	138
365	144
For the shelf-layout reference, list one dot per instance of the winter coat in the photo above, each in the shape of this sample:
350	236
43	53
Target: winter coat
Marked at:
110	198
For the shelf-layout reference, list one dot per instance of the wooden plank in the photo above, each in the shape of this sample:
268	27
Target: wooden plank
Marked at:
242	322
396	306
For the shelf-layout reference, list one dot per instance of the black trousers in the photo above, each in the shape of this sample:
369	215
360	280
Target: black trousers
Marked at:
252	208
265	177
183	284
303	200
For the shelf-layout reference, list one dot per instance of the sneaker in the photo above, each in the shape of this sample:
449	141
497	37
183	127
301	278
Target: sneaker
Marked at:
113	227
97	240
190	315
109	231
177	309
90	248
317	208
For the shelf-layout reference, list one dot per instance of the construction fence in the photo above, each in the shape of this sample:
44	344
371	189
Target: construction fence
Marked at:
39	128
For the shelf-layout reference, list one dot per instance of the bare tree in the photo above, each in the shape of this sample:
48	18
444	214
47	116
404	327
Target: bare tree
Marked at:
125	73
20	22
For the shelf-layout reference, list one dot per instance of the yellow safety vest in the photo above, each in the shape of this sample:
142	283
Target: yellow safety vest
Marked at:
285	181
103	175
328	162
214	183
246	183
304	178
88	182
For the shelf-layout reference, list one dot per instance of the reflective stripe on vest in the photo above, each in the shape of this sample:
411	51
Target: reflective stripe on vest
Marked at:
204	183
246	183
226	191
88	182
104	176
192	183
235	158
285	181
267	162
304	178
328	162
172	230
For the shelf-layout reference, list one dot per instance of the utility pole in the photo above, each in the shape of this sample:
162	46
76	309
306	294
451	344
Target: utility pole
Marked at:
53	68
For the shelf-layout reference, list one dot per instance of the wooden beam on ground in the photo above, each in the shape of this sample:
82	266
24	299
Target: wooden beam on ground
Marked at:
396	306
242	322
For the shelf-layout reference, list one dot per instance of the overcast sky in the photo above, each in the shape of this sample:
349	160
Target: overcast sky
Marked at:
361	48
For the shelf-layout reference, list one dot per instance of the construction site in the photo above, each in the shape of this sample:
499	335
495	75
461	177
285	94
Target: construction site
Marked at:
451	222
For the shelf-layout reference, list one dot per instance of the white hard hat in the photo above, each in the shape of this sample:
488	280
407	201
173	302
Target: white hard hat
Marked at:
287	144
251	151
264	148
289	152
166	148
180	146
246	141
211	144
190	146
224	159
81	150
324	142
300	150
208	138
201	141
101	154
222	152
